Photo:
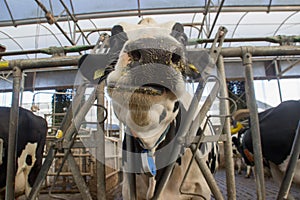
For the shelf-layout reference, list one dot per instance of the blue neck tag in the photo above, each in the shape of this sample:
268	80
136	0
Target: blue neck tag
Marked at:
148	163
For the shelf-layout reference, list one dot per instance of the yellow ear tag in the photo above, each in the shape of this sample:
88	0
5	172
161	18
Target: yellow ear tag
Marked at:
236	129
59	134
98	73
192	67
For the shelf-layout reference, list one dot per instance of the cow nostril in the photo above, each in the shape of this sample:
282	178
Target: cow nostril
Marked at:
175	58
29	160
135	55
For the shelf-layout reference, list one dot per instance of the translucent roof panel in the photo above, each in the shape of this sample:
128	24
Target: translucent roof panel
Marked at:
14	9
239	17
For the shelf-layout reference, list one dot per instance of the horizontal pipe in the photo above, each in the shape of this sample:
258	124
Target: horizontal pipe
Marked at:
72	49
50	50
258	51
73	60
40	63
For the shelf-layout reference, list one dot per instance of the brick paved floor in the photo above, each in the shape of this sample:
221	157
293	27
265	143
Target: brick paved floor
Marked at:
246	189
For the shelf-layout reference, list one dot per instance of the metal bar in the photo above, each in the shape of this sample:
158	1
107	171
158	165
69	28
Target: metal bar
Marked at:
78	118
224	109
128	172
41	63
53	20
261	51
273	39
255	133
10	14
50	50
207	174
64	33
100	150
74	20
290	170
73	108
205	12
286	69
157	11
79	180
196	123
73	60
215	20
13	136
43	173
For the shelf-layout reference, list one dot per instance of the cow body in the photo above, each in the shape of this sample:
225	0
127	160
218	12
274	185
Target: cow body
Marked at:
277	129
147	88
32	132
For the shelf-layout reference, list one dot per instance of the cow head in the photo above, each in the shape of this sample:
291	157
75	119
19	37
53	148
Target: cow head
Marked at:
148	81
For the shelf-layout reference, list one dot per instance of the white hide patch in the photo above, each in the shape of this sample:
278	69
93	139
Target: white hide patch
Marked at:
21	181
282	167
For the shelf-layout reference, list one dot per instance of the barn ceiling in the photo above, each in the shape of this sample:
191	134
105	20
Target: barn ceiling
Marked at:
30	25
46	23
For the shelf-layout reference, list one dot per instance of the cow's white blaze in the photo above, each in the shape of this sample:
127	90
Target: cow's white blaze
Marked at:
21	181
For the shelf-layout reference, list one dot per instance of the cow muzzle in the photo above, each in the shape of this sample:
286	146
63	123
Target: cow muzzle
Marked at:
151	66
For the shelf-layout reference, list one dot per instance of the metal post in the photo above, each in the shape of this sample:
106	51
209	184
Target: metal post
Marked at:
290	170
231	191
100	148
13	136
255	133
127	171
207	174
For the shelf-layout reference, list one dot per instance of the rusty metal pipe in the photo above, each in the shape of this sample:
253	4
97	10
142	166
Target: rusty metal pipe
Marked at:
255	132
13	136
224	109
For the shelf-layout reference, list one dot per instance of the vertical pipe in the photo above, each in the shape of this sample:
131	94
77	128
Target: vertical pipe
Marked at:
278	79
100	149
290	170
130	175
13	136
255	133
207	174
230	181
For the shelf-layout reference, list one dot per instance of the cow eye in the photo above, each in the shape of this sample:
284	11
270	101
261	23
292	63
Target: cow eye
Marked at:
175	58
176	105
135	55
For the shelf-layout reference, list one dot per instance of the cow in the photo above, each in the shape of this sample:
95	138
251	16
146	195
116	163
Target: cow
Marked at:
277	129
31	136
147	88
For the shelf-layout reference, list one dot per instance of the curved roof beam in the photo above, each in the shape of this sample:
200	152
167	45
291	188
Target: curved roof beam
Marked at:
52	34
242	17
282	23
15	41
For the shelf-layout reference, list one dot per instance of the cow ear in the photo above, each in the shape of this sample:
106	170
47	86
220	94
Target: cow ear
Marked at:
178	33
116	43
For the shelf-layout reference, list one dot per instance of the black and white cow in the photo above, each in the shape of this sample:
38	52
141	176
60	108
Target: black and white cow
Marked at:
147	87
32	132
277	128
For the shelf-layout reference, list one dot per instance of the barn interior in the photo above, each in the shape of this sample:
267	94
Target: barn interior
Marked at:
41	47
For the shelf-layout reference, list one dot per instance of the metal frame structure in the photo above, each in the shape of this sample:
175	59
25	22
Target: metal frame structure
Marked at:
69	127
